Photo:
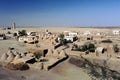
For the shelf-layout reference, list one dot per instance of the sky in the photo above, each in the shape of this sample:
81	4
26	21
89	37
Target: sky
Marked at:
60	12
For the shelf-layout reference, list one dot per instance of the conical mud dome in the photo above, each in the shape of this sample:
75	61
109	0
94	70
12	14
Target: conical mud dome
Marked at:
10	57
50	52
62	54
9	52
17	56
4	57
56	53
23	54
15	52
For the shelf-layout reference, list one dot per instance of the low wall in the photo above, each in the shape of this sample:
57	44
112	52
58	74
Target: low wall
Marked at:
58	45
54	64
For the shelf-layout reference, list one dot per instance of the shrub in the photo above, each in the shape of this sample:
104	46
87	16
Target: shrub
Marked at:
22	33
91	46
83	47
38	55
86	47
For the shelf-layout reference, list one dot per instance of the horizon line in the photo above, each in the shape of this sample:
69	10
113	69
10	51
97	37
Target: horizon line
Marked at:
63	26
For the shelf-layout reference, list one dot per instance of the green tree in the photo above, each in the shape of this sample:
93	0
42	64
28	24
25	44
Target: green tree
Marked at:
91	47
61	39
38	55
88	47
22	33
84	47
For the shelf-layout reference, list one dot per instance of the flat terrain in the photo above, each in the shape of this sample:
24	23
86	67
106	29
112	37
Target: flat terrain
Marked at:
61	29
63	71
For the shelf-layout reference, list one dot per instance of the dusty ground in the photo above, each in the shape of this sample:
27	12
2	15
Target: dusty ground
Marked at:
61	29
63	71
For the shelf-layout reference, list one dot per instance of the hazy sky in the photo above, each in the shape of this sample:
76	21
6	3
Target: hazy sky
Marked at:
60	12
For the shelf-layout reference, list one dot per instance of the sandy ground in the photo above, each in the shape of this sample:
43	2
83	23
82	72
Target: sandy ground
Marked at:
63	71
62	29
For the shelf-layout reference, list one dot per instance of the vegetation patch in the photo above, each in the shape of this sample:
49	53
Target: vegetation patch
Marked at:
96	72
38	55
22	33
88	47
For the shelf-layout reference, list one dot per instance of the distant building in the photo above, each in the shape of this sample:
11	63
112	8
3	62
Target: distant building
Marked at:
32	33
73	33
69	33
116	32
87	33
28	39
70	38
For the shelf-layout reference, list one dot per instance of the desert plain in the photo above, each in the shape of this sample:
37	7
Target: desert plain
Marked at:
63	70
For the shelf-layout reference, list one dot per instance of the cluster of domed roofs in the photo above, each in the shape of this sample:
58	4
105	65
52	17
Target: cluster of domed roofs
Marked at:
11	55
56	53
